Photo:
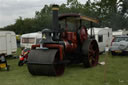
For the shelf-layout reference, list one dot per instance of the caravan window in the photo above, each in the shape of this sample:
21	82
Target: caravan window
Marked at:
100	38
28	40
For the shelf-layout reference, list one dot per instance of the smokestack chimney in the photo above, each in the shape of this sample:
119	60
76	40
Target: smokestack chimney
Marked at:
55	21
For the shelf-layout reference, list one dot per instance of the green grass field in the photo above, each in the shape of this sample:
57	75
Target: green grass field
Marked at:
117	74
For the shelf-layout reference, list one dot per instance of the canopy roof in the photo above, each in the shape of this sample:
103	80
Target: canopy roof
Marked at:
76	17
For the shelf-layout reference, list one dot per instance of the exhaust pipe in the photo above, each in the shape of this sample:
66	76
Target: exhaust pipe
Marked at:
55	21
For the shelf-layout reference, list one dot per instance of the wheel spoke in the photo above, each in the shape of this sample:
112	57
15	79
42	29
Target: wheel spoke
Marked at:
92	54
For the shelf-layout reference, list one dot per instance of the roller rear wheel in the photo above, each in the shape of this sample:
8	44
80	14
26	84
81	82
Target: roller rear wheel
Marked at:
90	51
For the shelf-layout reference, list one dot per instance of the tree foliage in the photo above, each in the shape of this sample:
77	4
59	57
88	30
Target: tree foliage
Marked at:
110	13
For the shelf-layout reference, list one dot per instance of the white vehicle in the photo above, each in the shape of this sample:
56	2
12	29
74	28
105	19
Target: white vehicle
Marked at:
119	32
29	39
119	45
103	37
8	43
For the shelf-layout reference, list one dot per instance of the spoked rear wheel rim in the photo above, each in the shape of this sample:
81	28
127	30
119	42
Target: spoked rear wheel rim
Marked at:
93	53
90	52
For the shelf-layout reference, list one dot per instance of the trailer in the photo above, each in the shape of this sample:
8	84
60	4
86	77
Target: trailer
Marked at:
8	44
103	36
29	39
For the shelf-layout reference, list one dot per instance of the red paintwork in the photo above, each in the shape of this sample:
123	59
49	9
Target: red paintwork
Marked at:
70	40
83	34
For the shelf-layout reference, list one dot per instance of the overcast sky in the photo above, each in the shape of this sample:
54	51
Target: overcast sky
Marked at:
10	10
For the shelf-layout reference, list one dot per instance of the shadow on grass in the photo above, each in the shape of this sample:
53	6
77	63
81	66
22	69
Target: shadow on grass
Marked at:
119	55
80	66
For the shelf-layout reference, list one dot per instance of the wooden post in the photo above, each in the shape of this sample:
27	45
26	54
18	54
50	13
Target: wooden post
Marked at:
105	65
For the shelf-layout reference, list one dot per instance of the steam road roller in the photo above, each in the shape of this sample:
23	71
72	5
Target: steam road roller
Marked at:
67	42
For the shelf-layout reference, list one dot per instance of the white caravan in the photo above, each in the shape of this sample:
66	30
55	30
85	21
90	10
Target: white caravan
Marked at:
120	32
103	37
29	39
8	43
